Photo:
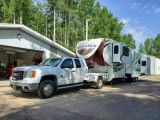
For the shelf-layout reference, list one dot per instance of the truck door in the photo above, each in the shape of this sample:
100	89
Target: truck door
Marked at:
79	71
70	74
116	53
67	67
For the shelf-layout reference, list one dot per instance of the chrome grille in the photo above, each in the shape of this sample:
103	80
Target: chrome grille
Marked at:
17	75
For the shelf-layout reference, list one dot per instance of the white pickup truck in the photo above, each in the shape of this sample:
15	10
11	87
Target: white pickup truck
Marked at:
53	74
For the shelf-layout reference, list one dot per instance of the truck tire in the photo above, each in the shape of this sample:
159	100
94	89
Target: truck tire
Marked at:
47	89
134	79
99	83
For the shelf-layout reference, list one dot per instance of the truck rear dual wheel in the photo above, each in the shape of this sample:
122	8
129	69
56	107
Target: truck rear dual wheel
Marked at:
47	89
99	83
135	79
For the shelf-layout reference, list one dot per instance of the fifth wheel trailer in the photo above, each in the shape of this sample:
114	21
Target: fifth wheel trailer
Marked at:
109	56
145	64
150	65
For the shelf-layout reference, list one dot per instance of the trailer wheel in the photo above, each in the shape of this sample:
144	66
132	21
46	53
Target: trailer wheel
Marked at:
99	83
133	79
136	79
47	89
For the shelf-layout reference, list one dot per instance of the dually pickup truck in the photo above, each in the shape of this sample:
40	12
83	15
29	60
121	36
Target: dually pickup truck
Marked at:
53	74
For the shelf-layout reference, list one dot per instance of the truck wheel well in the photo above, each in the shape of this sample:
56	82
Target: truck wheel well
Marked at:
100	77
49	77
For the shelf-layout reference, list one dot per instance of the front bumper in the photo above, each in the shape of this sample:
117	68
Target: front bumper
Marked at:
24	86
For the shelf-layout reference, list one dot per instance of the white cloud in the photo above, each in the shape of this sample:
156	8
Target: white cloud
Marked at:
145	8
139	31
124	21
137	34
135	5
156	10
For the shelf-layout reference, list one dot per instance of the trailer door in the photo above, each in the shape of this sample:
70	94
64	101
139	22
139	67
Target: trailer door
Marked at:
116	54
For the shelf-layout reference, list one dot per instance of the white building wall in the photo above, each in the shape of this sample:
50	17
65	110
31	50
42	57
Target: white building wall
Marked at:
152	65
157	66
8	37
63	54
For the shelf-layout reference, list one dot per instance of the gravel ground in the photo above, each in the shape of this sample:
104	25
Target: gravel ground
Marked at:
122	101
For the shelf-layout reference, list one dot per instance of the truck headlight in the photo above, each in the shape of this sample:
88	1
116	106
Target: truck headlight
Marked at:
30	74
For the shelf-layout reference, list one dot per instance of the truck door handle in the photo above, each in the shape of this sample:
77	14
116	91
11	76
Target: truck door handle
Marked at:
73	70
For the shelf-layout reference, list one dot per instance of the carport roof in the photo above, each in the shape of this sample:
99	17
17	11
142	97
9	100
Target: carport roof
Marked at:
36	34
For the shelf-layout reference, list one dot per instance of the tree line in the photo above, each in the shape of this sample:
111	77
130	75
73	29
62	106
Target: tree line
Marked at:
65	18
151	46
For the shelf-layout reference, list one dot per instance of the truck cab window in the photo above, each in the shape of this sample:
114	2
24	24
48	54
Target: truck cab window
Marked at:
78	64
116	49
68	63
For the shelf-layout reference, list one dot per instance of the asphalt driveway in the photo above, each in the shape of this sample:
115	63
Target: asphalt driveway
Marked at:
122	101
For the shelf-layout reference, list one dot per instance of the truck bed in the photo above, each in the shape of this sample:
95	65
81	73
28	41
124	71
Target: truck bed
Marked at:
99	69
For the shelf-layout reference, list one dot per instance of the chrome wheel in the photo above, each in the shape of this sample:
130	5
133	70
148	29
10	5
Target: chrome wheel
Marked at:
48	89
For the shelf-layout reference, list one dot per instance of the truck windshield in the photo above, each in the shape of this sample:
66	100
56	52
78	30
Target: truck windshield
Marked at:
51	62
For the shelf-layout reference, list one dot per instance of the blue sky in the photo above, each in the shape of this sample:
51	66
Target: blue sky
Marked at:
141	17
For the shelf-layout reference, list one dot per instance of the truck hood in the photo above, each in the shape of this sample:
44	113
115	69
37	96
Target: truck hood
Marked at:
30	68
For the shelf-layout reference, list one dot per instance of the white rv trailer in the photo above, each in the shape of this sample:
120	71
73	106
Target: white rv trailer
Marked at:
154	65
157	66
146	64
108	56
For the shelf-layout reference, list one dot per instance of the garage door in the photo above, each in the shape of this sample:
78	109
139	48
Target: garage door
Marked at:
14	57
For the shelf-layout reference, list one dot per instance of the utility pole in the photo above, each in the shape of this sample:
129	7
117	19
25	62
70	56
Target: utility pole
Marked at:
54	22
54	29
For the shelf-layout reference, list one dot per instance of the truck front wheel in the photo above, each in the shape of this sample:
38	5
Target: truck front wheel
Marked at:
46	89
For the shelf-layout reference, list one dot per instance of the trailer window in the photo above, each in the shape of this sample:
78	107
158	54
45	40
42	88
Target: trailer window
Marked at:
116	49
77	62
125	51
143	63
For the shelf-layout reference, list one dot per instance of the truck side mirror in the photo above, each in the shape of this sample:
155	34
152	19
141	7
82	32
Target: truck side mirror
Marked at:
73	70
63	66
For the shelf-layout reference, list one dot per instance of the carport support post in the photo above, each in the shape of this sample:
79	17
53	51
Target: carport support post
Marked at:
9	57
